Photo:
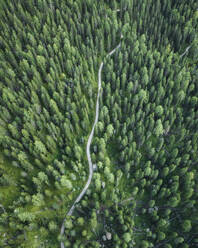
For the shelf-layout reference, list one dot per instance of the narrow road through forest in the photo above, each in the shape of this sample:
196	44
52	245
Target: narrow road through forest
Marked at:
88	147
185	51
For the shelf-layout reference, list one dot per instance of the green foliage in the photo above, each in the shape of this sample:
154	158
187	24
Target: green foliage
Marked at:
186	225
65	182
159	110
159	128
127	237
145	142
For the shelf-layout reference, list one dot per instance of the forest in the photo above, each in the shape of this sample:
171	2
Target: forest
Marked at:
144	189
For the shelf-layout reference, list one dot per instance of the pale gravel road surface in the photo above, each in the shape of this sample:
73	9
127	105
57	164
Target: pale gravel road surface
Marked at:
185	51
88	147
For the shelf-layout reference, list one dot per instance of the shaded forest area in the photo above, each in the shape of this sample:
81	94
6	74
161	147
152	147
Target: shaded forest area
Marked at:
144	190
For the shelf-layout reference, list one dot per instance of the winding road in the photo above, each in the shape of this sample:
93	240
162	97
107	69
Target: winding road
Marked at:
185	51
88	146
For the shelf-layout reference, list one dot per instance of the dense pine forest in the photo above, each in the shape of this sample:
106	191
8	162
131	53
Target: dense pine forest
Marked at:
144	188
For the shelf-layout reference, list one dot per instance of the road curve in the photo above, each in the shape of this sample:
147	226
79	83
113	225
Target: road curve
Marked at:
185	51
88	147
